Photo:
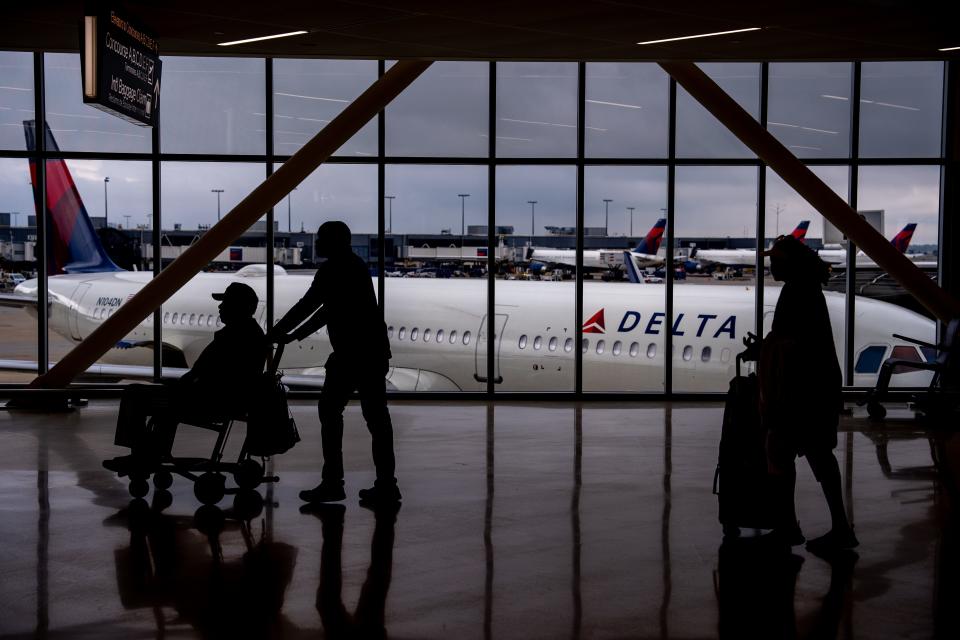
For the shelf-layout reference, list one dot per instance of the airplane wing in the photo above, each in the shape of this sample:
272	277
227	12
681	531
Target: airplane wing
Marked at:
16	301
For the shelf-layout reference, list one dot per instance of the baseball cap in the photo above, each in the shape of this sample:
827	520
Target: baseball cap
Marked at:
240	293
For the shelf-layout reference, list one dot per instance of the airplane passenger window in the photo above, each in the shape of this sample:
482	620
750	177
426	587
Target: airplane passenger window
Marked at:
183	319
401	333
523	342
193	318
652	350
414	333
552	345
439	335
466	337
725	355
209	320
870	359
601	345
453	336
634	349
537	342
166	317
585	345
705	354
568	345
390	332
617	346
175	317
688	353
219	322
426	335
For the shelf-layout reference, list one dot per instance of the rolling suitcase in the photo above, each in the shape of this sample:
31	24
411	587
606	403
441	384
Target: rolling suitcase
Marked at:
741	481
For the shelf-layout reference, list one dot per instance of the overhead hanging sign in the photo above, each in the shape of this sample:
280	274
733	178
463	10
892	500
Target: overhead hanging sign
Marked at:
121	68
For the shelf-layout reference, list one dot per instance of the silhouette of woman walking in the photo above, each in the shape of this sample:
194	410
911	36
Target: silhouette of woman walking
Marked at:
800	393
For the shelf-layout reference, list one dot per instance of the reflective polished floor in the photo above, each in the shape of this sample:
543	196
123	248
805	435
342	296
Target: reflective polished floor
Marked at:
518	521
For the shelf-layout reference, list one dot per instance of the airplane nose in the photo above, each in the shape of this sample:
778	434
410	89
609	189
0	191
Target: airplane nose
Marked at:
27	288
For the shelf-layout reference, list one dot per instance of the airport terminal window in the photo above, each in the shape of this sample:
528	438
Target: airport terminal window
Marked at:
900	109
626	110
699	134
213	105
443	113
536	109
308	94
809	107
80	127
16	98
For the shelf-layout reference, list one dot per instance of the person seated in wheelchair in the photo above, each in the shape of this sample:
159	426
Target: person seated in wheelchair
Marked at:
214	389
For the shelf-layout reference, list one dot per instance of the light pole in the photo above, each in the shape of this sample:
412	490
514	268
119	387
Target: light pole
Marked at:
127	221
463	219
106	179
288	209
533	204
390	212
630	209
606	216
218	192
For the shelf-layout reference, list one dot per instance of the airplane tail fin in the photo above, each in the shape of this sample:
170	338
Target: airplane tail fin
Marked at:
651	242
801	231
633	273
74	246
902	240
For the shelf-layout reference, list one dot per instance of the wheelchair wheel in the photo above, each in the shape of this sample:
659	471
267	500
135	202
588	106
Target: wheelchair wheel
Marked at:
247	505
249	473
162	479
209	488
876	410
139	487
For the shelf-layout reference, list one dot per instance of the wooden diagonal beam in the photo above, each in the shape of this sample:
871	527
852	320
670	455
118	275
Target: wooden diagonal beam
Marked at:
238	220
812	189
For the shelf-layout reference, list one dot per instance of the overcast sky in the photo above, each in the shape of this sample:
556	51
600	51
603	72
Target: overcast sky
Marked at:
217	106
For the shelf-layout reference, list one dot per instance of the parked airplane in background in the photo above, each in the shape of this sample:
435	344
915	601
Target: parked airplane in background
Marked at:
836	255
741	257
438	328
606	259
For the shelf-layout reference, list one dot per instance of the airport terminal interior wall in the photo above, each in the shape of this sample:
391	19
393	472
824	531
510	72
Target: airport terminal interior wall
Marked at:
430	167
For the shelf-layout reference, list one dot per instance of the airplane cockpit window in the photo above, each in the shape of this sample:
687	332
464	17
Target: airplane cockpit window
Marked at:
414	333
905	352
401	333
634	349
439	335
688	353
601	345
466	337
537	342
652	350
426	335
568	345
617	346
870	359
552	345
705	354
522	344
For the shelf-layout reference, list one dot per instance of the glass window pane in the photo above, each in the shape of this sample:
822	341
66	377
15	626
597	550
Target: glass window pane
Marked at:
213	105
536	210
699	134
443	113
18	264
714	291
536	109
81	127
900	109
629	310
16	97
436	276
626	110
809	108
904	202
308	94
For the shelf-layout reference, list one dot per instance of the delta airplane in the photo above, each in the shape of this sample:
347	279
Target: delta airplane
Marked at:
438	328
742	257
644	253
836	255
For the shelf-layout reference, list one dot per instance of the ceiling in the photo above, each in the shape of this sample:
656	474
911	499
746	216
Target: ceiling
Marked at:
516	29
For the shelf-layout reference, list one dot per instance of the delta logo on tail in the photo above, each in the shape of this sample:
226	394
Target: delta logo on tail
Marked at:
902	240
596	323
800	233
75	247
651	242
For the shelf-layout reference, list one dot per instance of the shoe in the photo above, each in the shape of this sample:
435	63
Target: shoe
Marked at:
833	541
123	465
381	494
323	493
791	537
